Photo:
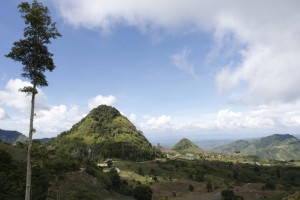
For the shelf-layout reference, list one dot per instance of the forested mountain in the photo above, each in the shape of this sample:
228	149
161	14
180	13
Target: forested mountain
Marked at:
104	133
12	137
186	146
277	147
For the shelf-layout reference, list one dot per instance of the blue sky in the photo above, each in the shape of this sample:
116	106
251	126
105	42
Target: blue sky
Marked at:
194	69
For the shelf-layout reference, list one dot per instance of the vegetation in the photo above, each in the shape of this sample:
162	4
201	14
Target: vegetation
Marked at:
186	146
66	168
105	133
61	175
33	53
277	147
142	192
12	137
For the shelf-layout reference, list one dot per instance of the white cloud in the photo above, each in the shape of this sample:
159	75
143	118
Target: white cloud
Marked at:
273	118
181	62
102	100
160	123
132	117
57	119
49	121
11	96
264	33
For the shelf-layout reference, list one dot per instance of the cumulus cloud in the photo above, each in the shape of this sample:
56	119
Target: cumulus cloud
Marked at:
49	120
261	119
102	100
161	123
266	33
57	119
180	60
11	96
132	117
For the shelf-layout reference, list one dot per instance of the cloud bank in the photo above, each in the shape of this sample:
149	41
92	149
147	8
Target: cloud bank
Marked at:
262	119
50	120
266	31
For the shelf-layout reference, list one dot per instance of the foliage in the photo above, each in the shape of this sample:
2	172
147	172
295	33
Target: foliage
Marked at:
18	154
269	186
186	146
278	147
209	187
142	192
32	51
227	194
12	137
104	133
82	194
191	188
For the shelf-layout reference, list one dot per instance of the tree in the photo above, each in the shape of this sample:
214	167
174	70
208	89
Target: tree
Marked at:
142	192
32	52
228	194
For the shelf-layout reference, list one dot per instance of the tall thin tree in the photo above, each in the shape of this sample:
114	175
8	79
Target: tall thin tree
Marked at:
32	52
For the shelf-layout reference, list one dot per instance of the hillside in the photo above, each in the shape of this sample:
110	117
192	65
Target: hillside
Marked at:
16	153
277	147
186	146
12	137
104	133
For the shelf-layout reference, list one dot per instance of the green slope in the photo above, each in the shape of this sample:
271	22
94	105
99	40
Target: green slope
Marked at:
12	137
186	146
277	147
16	153
104	133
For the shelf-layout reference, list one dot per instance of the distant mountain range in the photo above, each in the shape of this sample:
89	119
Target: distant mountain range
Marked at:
212	144
106	132
277	147
12	137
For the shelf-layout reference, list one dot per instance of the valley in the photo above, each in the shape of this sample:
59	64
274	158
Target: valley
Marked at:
104	156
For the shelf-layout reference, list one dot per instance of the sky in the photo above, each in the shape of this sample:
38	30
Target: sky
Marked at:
186	68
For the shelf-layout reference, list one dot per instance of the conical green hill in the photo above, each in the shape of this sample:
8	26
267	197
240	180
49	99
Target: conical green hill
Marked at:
186	146
104	133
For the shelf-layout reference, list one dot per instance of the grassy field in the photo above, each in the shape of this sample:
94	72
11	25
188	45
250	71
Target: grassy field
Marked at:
173	179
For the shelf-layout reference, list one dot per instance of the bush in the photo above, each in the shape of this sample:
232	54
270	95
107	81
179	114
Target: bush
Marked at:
269	186
191	188
228	194
209	187
142	192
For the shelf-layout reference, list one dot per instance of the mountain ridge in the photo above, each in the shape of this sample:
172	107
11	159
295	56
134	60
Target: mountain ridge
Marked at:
12	137
277	146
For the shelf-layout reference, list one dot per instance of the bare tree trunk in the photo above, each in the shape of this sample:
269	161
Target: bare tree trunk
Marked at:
31	131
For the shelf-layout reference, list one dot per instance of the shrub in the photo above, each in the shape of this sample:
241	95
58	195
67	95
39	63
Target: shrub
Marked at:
191	188
209	187
142	192
269	186
228	194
